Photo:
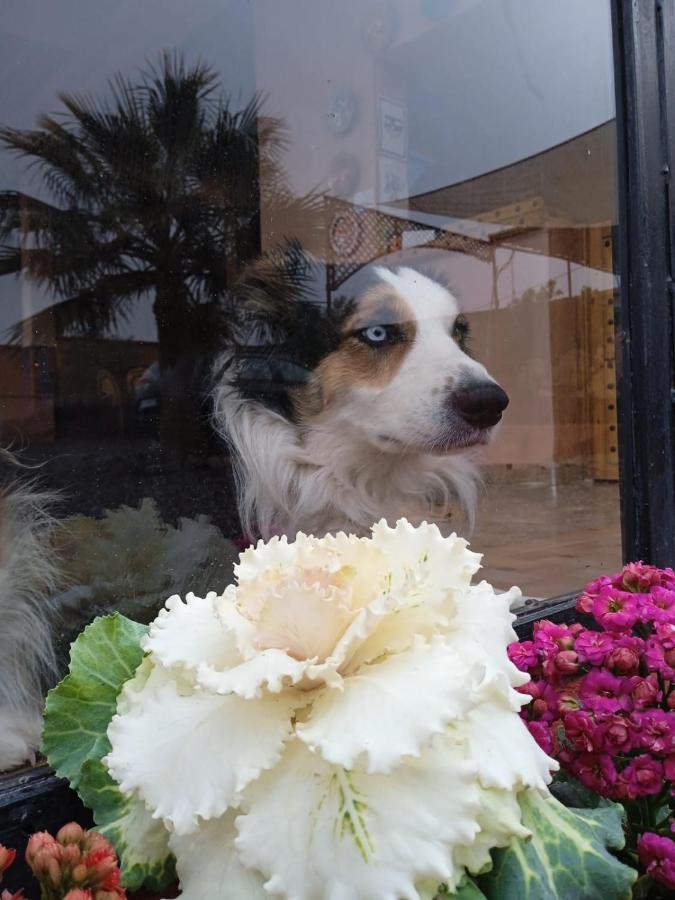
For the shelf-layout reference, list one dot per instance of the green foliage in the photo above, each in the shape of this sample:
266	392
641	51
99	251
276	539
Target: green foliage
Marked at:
77	714
140	840
79	708
566	857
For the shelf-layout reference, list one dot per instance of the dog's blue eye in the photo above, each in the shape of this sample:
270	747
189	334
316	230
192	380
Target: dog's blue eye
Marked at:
376	335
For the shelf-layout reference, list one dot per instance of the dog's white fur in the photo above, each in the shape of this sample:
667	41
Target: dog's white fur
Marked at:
378	452
28	574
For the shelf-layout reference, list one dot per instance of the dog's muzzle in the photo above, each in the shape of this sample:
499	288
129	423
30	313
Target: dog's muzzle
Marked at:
479	403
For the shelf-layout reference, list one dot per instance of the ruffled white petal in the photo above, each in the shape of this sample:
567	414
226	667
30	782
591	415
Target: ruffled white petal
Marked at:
304	619
363	566
482	628
422	561
265	558
390	709
208	866
188	633
273	670
506	754
395	630
499	818
188	755
355	836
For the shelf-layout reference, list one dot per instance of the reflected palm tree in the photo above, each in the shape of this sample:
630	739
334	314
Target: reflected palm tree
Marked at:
156	192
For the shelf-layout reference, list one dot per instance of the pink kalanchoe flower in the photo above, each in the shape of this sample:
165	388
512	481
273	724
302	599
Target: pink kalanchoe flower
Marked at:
659	659
614	735
665	632
542	735
550	638
593	646
645	692
595	771
640	578
669	771
657	855
580	730
590	592
604	693
559	633
615	610
658	606
655	730
523	655
643	776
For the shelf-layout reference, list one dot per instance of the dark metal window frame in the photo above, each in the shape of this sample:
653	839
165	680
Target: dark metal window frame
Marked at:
644	64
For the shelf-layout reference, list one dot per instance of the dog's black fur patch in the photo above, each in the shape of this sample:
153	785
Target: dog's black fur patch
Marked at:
283	325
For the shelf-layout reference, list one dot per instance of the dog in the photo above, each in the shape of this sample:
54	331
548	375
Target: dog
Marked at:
339	414
29	574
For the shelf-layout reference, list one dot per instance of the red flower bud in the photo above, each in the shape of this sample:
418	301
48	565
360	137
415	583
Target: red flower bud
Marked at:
37	844
100	863
539	708
567	662
79	873
6	858
623	660
72	833
52	870
565	643
70	855
646	692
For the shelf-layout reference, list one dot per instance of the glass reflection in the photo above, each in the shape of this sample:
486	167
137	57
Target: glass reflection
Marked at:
286	275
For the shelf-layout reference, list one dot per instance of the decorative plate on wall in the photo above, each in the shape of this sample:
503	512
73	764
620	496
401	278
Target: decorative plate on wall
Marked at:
345	233
341	113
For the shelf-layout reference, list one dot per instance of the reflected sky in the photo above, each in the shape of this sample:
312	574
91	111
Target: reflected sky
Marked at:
488	82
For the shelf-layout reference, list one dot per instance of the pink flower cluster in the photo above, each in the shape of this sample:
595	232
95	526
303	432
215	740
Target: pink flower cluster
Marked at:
75	865
603	701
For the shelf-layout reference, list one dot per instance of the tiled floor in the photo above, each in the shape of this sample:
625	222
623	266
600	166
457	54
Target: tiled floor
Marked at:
547	540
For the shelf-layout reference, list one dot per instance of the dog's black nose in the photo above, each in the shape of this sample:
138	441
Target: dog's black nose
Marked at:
480	403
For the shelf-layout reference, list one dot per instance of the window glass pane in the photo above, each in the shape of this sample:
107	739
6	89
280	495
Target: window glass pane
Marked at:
341	236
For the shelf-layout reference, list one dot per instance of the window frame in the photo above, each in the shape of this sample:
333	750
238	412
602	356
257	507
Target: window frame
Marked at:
644	72
644	69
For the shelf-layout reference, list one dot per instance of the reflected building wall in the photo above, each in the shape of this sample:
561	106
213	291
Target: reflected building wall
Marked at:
547	218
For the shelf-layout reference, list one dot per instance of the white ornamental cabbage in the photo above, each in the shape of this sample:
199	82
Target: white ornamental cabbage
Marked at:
341	723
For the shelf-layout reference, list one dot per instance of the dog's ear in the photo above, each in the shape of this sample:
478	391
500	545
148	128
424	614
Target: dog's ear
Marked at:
284	325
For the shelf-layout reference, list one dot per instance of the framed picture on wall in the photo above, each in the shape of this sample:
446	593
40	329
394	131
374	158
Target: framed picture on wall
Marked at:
393	179
392	127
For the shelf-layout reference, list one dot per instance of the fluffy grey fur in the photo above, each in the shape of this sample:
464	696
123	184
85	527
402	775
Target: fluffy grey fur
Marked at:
28	576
